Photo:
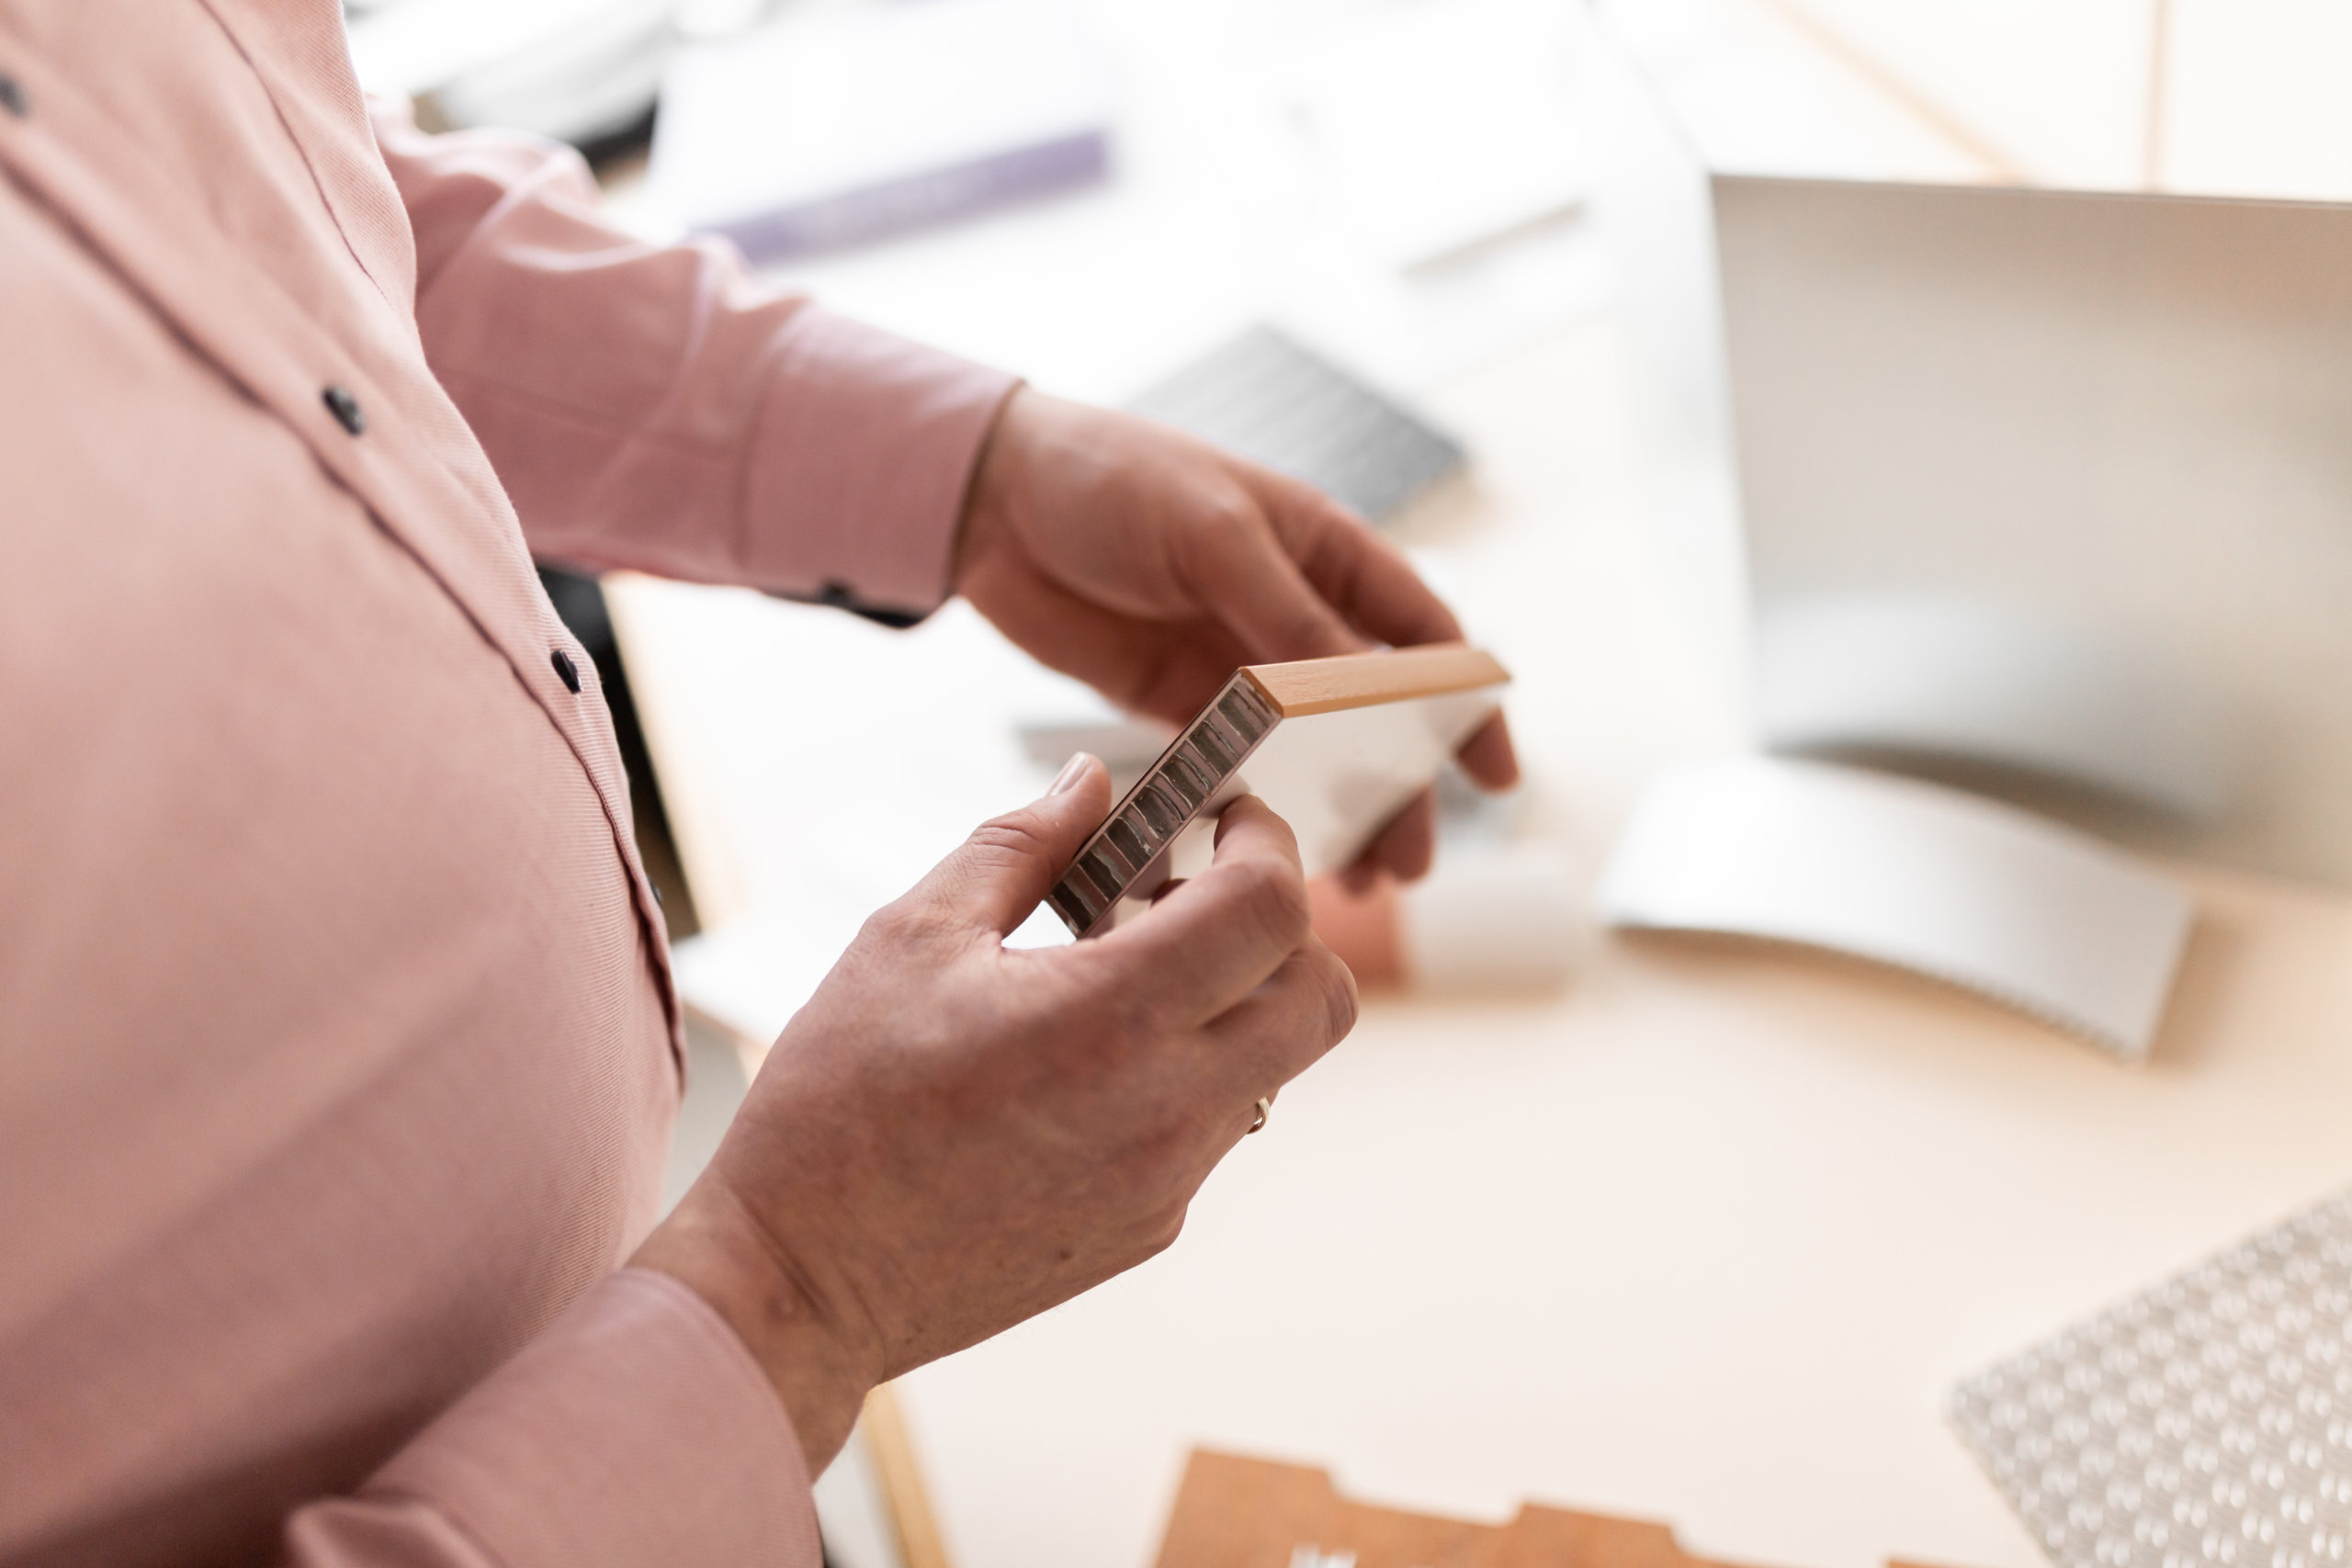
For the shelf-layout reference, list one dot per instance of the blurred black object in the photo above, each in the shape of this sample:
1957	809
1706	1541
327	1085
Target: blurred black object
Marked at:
622	148
580	604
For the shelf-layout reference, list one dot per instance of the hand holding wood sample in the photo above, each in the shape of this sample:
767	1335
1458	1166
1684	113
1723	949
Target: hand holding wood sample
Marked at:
1335	746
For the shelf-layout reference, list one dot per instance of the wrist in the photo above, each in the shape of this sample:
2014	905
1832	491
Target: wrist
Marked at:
988	494
714	1245
998	478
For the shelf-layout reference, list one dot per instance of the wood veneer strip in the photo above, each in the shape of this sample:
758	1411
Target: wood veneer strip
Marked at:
1362	680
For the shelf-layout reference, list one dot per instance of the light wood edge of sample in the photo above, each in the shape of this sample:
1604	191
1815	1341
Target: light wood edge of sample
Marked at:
1364	680
903	1493
696	823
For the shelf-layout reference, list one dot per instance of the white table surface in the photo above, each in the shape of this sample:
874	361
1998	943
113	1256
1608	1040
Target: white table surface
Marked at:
1704	1237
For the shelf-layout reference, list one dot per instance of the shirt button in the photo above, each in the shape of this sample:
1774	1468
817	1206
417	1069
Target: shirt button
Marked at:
12	96
345	409
566	671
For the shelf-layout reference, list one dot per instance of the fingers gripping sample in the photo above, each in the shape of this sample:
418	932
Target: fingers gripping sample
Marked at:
1189	774
1334	744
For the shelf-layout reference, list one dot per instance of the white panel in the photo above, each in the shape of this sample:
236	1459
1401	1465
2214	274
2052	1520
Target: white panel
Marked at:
1913	874
2128	414
1940	676
1337	778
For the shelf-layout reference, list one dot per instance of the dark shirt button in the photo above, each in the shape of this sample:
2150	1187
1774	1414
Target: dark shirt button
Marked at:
12	96
566	669
345	409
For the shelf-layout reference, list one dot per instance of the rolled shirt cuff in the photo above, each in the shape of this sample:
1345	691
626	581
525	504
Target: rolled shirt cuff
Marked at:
860	462
635	1432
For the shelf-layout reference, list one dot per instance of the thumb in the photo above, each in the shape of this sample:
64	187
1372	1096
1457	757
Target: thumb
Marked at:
1002	872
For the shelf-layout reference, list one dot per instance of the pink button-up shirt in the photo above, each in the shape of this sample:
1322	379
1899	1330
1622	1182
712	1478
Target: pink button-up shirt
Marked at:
337	1048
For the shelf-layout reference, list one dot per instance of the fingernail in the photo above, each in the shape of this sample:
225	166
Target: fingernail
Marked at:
1067	779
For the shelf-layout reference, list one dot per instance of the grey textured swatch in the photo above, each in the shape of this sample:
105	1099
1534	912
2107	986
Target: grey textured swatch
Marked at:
2205	1422
1278	403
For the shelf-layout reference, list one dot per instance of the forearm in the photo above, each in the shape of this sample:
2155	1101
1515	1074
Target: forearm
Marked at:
716	1247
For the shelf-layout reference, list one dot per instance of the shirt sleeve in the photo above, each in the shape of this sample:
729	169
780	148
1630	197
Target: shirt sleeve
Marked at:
653	406
635	1432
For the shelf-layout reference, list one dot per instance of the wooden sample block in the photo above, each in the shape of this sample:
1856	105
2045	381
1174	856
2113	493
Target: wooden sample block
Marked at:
1233	1512
1335	746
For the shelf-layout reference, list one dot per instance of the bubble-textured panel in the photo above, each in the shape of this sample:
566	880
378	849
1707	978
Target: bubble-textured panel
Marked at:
2208	1422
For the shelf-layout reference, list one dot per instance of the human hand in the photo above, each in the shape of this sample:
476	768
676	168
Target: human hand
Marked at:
1149	564
953	1136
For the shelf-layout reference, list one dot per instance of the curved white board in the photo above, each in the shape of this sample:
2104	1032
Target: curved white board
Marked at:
2032	915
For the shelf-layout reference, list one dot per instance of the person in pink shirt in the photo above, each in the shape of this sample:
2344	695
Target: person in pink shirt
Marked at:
341	1047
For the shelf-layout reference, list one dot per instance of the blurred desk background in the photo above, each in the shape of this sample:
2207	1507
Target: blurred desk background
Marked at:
1707	1236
